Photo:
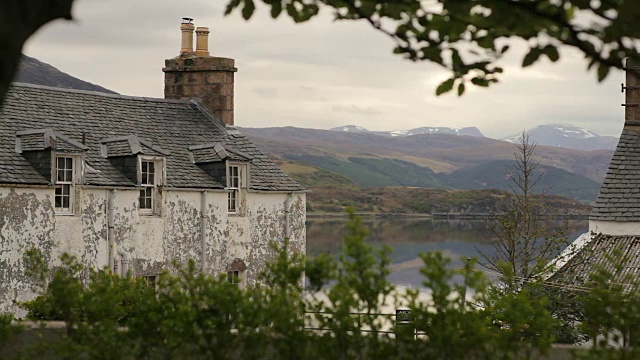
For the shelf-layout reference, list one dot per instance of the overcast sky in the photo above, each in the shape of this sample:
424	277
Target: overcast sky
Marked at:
320	74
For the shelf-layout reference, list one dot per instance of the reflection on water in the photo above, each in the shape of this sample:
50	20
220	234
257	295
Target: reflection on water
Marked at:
409	237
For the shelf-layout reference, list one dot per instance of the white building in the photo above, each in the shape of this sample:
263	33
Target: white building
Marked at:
134	183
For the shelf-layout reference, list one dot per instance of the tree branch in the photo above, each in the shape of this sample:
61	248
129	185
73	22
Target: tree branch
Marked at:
19	19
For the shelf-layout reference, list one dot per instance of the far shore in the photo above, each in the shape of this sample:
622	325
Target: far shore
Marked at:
437	216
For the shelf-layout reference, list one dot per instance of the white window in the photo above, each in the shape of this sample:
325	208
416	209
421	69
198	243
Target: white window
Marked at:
151	280
233	277
150	177
65	181
233	188
147	193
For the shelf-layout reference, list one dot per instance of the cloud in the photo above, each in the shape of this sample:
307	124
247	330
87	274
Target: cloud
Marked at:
269	92
321	73
352	108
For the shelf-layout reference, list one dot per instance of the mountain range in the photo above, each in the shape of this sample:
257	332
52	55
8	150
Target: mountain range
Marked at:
447	161
559	135
466	131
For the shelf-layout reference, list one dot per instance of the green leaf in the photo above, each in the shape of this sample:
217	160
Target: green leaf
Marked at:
460	89
480	81
456	59
551	52
276	9
531	57
231	5
292	11
485	42
445	87
603	71
248	9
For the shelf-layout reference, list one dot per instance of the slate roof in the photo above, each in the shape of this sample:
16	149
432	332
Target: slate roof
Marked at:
217	152
619	198
172	125
618	254
129	146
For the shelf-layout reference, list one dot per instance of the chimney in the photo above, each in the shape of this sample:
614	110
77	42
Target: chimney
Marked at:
202	42
200	76
632	96
187	28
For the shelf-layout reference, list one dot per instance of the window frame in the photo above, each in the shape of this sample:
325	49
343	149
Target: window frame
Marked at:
153	283
73	179
234	277
236	186
150	185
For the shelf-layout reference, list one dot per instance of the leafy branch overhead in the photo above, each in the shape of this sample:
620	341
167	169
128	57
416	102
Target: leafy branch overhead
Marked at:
18	21
469	37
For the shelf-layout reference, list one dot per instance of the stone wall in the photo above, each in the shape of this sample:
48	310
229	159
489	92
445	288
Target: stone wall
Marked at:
207	79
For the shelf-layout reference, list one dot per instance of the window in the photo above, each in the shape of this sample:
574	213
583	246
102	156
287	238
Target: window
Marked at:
148	173
233	277
151	280
64	184
234	188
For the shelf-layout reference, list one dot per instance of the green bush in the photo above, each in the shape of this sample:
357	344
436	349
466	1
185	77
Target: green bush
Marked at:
191	315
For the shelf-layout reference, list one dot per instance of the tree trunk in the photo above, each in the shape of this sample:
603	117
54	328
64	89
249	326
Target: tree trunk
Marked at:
19	19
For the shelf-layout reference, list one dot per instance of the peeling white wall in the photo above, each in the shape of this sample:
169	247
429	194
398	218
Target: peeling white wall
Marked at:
153	242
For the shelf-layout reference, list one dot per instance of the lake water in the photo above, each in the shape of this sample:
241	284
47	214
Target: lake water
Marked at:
409	237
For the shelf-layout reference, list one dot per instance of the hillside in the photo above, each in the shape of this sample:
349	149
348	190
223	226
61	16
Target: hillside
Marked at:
33	71
440	153
493	175
407	200
311	177
375	172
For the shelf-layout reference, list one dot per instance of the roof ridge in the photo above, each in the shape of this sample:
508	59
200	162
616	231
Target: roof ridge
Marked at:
101	94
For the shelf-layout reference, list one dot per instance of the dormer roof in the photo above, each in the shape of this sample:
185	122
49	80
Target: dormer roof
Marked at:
216	152
130	145
46	139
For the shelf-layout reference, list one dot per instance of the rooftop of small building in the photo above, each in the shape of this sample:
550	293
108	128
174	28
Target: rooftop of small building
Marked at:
616	255
619	197
87	117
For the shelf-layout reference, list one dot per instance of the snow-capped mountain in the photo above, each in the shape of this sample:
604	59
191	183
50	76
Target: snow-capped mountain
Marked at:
567	136
350	128
467	131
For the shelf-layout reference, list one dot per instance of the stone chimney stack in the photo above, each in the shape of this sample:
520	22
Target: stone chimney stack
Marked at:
200	76
632	96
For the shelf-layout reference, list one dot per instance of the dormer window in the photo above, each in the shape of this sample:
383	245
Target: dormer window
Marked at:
229	167
147	193
236	184
150	177
65	181
234	188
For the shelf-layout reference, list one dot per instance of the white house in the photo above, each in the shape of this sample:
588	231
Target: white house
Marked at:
133	183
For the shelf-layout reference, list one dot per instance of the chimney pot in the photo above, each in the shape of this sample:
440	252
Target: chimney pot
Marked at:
202	41
187	28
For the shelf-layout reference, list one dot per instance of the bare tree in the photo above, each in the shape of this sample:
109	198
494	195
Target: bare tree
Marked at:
527	232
